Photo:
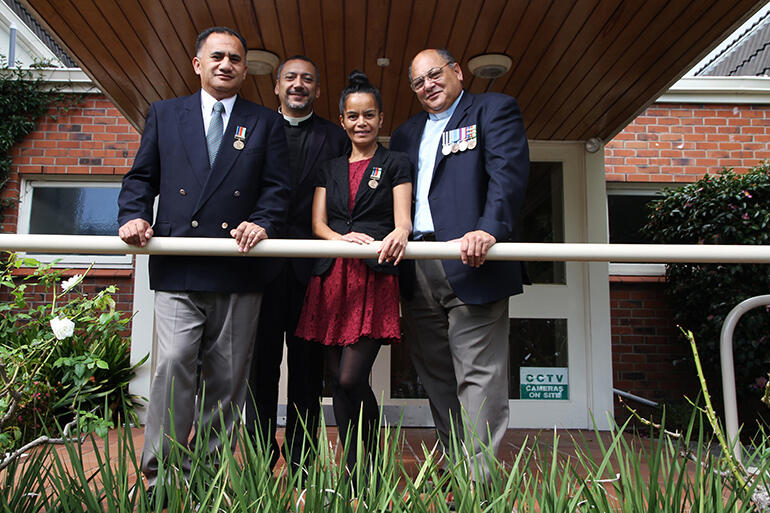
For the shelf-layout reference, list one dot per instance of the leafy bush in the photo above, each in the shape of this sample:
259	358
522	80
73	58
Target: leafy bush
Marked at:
724	209
60	360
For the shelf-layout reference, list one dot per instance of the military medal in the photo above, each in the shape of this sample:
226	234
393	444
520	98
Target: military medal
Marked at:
375	177
471	136
463	144
446	148
240	135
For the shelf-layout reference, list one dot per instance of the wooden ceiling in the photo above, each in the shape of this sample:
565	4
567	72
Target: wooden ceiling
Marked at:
581	68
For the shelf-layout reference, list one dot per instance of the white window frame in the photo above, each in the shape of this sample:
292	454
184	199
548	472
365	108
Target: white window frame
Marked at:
634	189
27	187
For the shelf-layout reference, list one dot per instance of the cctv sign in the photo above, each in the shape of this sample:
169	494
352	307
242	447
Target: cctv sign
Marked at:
548	383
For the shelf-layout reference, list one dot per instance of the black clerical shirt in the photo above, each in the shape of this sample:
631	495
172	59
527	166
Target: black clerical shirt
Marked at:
297	137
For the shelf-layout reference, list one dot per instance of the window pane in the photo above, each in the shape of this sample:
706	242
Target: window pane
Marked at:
627	215
404	383
537	344
534	343
74	211
542	218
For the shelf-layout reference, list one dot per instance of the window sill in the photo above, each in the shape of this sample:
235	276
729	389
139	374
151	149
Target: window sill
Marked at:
637	279
93	273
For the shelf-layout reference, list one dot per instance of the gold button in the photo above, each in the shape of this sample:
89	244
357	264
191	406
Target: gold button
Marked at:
237	194
224	226
194	224
183	192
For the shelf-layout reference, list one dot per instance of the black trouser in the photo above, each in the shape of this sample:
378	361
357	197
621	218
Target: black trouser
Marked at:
281	307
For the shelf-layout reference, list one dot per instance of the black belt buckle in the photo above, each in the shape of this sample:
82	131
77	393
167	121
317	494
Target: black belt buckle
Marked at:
428	237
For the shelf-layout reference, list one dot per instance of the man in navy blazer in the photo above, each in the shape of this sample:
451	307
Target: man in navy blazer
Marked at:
312	140
216	164
471	162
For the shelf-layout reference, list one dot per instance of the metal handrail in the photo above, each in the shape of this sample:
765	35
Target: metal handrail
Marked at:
728	367
585	252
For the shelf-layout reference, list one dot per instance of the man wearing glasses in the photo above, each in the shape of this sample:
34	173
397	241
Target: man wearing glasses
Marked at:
471	160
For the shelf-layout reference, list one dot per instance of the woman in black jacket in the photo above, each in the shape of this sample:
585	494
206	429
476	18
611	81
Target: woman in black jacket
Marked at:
351	305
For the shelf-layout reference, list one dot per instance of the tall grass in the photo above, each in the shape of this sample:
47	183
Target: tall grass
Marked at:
545	475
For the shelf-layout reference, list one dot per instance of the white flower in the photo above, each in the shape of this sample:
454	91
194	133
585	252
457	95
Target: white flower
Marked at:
71	282
62	328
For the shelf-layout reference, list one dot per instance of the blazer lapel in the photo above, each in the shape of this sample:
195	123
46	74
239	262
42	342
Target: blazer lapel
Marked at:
194	137
315	142
227	154
454	122
418	127
364	190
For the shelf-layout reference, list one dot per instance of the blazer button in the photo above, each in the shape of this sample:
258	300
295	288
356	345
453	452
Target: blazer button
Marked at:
194	223
237	194
224	226
182	192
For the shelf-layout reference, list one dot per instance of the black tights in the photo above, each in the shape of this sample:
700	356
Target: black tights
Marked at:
349	367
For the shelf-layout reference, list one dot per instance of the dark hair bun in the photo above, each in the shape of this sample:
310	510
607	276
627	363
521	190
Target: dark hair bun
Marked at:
357	79
358	82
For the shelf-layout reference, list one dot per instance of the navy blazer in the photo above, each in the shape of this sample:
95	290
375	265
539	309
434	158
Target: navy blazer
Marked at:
372	212
477	189
195	201
325	141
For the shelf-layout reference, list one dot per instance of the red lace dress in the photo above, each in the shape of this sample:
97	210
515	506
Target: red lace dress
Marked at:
351	300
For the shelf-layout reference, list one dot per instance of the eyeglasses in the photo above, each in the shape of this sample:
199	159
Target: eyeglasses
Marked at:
433	74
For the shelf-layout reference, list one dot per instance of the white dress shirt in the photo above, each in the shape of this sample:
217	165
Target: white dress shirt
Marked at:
207	106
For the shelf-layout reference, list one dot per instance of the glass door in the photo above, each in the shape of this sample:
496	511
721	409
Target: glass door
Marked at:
548	382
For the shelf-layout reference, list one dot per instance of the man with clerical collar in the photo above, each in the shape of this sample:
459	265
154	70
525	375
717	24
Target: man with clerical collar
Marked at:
216	163
311	140
471	160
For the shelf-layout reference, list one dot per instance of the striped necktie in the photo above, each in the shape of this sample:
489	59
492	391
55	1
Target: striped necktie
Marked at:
214	135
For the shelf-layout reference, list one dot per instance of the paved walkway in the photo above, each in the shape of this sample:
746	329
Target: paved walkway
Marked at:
514	440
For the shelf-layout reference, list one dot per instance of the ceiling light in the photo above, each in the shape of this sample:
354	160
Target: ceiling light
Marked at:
261	62
490	65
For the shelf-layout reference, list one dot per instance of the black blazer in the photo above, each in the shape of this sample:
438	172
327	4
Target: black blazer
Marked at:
373	208
195	201
325	141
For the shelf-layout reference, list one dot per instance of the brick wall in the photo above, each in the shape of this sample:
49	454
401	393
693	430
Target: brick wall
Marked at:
682	142
671	143
92	138
645	343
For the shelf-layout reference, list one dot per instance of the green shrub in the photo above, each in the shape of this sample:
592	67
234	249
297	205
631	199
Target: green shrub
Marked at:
51	374
724	209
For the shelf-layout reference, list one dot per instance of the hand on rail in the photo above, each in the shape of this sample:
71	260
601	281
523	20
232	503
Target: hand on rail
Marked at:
358	238
393	246
247	235
136	232
474	246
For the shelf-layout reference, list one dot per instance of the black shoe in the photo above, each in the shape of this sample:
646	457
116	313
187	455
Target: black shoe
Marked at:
152	499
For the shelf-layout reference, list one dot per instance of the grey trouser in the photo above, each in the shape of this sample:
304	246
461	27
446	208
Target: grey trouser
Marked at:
461	355
220	327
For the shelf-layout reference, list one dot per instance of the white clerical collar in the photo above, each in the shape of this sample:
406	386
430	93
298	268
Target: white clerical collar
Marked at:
208	101
294	121
447	113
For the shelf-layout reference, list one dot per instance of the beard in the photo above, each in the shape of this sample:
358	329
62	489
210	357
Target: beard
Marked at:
298	105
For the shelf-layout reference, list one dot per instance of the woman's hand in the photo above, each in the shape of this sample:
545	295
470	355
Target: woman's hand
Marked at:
393	246
358	238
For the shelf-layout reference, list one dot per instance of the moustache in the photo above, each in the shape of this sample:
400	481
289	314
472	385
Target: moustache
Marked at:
300	91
